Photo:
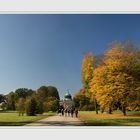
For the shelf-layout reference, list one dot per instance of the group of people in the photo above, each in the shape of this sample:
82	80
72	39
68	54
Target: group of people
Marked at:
68	112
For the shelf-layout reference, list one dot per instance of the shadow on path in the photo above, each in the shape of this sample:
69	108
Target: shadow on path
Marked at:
58	121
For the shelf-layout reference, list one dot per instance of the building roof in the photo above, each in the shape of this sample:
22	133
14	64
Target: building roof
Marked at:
67	96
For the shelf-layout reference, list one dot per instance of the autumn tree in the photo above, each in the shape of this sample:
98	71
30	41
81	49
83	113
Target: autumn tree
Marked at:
20	106
42	92
82	101
117	82
87	76
13	97
51	104
87	70
47	91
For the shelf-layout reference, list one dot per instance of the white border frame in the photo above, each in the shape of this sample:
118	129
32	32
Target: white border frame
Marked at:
69	7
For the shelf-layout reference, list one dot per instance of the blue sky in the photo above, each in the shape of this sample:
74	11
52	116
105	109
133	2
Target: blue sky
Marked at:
38	50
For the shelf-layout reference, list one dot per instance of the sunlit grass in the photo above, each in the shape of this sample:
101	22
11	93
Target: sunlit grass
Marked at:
13	119
115	119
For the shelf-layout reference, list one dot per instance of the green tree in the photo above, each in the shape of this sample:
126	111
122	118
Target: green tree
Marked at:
2	98
52	92
39	107
10	98
31	106
4	106
23	93
47	91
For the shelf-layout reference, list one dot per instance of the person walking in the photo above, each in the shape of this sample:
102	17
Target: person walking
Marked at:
76	113
65	112
69	113
62	112
72	112
59	112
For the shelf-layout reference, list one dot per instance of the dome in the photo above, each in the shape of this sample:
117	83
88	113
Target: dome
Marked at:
67	96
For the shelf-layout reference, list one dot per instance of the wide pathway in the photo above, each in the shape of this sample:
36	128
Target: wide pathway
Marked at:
58	121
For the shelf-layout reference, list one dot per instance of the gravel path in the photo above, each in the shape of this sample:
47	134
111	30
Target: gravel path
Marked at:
57	121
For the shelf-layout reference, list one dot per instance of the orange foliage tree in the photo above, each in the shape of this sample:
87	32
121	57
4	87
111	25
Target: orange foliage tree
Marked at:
87	70
117	80
87	76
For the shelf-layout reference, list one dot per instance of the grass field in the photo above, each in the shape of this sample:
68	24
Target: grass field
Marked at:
12	118
115	119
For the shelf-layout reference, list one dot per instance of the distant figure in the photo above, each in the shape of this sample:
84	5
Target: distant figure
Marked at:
76	113
72	112
69	113
65	112
62	112
59	112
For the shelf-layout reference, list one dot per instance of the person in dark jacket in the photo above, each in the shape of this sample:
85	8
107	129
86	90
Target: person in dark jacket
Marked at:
69	113
72	112
76	113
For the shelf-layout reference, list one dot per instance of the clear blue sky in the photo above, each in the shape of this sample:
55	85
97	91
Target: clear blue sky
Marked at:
38	50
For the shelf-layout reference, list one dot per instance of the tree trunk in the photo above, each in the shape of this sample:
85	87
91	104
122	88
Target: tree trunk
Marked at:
102	110
124	110
95	104
110	110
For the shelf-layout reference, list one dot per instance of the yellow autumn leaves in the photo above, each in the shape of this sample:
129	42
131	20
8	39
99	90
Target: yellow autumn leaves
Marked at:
115	83
87	68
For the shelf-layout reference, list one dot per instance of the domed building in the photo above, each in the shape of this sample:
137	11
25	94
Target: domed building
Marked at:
67	97
67	102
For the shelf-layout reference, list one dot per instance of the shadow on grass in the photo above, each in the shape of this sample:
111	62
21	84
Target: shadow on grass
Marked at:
13	123
39	123
113	122
110	122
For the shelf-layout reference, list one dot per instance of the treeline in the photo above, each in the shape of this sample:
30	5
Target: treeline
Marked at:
31	102
83	102
112	81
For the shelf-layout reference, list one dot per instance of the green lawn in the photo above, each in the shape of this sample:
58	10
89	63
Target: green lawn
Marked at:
115	119
12	118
